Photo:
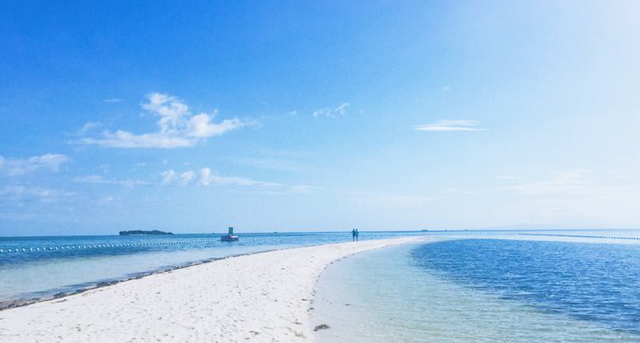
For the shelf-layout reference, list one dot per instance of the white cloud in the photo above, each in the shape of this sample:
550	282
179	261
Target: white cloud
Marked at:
112	100
178	127
186	177
171	110
278	164
203	177
332	112
450	126
97	179
88	127
124	139
17	167
200	126
170	177
207	178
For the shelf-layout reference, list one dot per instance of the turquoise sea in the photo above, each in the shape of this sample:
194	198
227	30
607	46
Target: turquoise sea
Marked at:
482	289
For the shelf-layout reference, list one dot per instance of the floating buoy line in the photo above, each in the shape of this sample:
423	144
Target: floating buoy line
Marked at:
102	246
80	247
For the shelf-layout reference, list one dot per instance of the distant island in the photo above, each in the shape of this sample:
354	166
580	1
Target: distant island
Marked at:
143	232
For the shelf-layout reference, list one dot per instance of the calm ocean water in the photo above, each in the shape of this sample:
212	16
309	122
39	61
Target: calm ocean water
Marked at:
484	290
33	267
590	282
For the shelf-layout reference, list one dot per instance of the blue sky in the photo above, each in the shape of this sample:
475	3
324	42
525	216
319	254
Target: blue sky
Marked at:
306	116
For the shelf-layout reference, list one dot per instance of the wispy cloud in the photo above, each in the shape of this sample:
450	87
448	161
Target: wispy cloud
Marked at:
202	177
97	179
18	167
27	193
568	182
88	127
332	112
170	177
450	126
279	164
178	127
112	100
206	177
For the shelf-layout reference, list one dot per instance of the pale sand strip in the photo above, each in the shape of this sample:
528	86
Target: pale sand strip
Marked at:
262	297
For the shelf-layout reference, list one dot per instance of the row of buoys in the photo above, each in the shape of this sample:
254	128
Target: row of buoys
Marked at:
122	245
97	246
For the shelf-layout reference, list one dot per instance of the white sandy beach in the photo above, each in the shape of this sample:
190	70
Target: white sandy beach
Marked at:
263	297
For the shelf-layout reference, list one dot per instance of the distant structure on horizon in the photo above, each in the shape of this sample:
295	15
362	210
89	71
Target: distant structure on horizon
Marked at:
229	237
143	232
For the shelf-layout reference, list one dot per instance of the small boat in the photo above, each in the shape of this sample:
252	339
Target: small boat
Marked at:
229	237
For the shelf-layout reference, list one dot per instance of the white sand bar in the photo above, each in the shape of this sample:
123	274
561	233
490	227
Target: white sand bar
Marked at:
263	297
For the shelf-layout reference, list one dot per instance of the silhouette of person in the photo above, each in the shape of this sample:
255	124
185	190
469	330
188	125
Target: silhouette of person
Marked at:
354	234
357	234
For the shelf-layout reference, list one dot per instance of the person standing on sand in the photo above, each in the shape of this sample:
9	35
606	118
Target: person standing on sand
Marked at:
357	234
353	234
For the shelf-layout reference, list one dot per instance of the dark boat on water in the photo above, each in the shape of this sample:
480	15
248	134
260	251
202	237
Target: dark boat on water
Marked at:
229	237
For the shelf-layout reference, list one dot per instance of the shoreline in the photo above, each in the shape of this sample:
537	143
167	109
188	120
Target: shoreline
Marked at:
21	302
263	296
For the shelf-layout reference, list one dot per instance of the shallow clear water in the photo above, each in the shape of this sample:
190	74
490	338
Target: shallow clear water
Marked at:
483	291
33	267
592	282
